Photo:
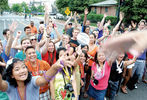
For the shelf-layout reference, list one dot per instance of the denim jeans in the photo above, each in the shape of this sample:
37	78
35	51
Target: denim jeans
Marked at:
96	94
113	86
138	68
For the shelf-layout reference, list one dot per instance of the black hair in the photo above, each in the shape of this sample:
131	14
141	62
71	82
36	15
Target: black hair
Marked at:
5	31
29	47
95	59
26	28
93	35
8	74
41	22
82	46
85	53
58	51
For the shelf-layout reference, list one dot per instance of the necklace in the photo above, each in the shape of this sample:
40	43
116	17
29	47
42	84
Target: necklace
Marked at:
35	73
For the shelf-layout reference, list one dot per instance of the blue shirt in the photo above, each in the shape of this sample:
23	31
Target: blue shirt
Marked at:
4	56
142	56
100	34
12	51
22	56
32	91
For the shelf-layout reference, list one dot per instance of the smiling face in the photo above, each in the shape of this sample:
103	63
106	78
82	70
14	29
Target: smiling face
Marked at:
51	47
101	57
31	55
25	44
92	39
82	58
19	71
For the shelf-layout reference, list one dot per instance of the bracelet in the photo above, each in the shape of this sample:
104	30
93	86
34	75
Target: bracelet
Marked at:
45	77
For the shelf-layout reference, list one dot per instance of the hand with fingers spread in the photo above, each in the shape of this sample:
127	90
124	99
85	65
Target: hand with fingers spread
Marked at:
13	26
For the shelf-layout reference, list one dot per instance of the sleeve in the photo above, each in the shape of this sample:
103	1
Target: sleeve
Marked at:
9	87
83	28
4	56
34	81
38	55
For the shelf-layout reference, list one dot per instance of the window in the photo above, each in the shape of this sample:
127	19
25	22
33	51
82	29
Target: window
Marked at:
106	9
95	10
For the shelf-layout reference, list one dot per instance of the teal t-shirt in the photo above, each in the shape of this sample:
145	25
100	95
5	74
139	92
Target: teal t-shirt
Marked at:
22	56
3	96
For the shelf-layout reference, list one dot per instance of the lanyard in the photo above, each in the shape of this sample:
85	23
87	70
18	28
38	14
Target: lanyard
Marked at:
99	73
19	94
67	73
119	69
34	73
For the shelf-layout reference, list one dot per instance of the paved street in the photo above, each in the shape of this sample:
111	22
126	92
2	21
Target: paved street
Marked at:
5	20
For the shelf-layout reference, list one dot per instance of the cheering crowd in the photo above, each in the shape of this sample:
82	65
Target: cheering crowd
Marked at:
48	65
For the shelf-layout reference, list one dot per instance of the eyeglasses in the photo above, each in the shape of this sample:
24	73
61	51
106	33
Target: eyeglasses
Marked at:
33	39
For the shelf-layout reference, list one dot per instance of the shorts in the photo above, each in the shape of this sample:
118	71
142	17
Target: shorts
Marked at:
130	66
96	94
45	95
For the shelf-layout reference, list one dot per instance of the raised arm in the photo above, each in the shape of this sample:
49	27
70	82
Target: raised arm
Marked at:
65	24
3	84
75	19
129	62
15	44
58	35
102	22
118	24
50	74
12	28
85	16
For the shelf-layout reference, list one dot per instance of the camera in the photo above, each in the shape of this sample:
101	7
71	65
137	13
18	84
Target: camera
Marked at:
68	87
95	81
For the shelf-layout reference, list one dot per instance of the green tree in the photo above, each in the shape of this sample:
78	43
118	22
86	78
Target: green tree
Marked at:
3	5
74	5
25	7
34	9
134	10
17	8
40	8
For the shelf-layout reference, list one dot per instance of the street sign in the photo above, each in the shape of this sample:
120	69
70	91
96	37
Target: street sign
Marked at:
67	11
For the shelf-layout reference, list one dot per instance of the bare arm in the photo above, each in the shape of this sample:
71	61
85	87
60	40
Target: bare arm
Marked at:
2	64
65	24
3	84
118	24
85	17
58	35
102	22
52	89
75	20
12	28
53	71
15	44
129	62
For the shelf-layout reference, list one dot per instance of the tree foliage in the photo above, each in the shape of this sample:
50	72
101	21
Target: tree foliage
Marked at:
74	5
3	5
134	10
17	8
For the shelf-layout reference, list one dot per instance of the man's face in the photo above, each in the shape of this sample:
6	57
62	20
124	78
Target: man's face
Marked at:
28	31
32	24
75	33
31	55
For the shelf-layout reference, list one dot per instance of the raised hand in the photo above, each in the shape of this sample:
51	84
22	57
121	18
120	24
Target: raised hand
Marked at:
121	16
105	15
18	34
86	11
13	26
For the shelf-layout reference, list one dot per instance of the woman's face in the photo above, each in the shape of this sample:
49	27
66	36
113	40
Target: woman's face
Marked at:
25	44
87	30
65	39
82	58
33	40
85	48
51	47
92	39
101	57
31	55
19	71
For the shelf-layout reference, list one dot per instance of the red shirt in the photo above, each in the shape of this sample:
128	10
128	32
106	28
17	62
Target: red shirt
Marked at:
49	57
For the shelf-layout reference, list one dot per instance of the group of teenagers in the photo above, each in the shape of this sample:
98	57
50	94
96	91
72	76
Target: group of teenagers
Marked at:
42	67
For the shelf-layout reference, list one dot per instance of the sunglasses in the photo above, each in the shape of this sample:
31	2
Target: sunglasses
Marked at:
33	39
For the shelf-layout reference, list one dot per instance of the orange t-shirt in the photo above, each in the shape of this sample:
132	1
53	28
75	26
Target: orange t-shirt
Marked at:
33	29
42	66
92	53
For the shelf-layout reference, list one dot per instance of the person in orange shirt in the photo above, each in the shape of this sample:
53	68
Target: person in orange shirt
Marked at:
33	28
37	68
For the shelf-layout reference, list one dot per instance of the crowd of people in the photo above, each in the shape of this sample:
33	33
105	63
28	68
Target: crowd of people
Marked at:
48	65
